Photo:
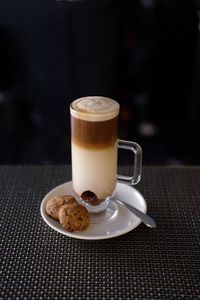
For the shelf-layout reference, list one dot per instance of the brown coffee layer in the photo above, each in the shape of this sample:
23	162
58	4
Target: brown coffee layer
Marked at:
94	134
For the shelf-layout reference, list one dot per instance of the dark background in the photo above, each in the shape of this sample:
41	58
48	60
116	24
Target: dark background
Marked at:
145	54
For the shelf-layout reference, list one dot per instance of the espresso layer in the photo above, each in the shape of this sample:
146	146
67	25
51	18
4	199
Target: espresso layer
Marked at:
94	134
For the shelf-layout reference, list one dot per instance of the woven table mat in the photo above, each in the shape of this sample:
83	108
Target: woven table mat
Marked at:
37	262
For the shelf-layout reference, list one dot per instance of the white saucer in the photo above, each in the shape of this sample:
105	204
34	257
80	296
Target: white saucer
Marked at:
123	222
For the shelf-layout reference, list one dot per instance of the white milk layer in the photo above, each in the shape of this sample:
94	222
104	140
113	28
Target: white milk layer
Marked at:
94	170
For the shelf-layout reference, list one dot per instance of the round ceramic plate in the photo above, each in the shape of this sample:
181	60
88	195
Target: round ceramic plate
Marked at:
123	222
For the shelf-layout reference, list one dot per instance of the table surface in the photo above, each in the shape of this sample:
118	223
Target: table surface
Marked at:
38	262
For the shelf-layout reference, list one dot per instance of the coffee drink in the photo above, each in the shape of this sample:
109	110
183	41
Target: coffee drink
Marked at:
94	136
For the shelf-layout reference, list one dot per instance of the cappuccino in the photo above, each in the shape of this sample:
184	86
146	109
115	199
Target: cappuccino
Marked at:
94	130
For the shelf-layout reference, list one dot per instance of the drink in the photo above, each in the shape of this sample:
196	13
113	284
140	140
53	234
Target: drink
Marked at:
94	145
94	128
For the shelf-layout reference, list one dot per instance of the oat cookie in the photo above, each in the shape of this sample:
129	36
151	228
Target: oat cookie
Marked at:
54	204
73	217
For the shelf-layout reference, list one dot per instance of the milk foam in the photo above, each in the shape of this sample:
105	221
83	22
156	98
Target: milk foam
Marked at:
94	108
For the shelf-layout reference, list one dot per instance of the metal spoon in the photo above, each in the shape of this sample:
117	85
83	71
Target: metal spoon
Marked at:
146	219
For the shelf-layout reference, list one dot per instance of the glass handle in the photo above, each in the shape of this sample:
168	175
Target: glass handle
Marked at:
137	166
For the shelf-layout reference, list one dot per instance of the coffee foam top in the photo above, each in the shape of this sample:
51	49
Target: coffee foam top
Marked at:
94	108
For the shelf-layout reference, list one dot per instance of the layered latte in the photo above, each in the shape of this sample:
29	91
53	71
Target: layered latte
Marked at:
94	130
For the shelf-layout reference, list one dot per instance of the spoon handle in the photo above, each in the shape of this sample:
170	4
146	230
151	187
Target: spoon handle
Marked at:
146	219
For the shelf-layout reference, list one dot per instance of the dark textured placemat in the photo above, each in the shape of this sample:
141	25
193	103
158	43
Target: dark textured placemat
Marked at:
39	263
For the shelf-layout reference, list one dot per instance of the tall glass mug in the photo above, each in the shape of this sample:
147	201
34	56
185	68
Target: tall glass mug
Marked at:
94	146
